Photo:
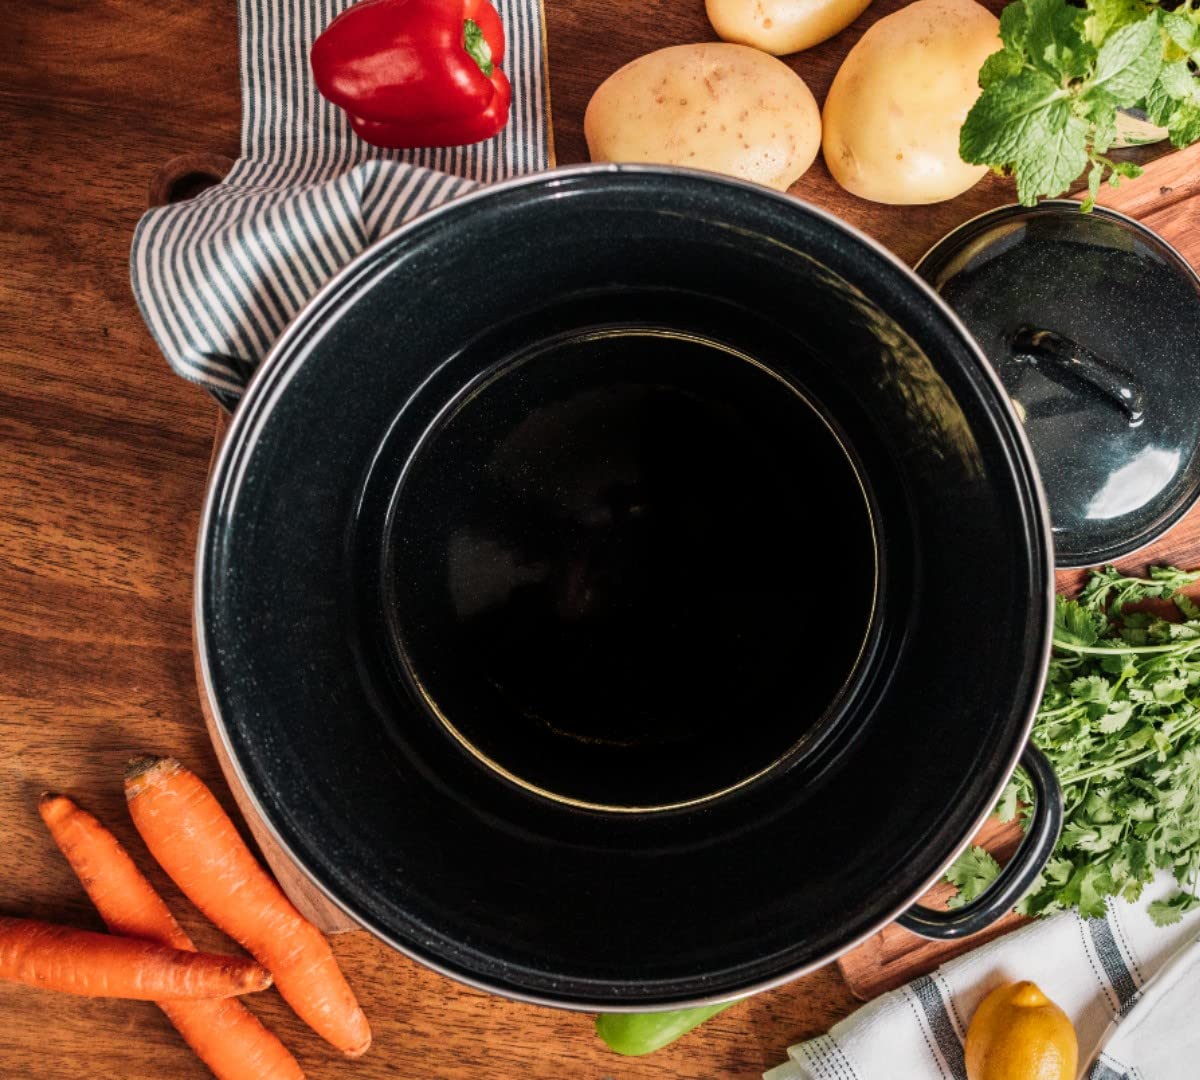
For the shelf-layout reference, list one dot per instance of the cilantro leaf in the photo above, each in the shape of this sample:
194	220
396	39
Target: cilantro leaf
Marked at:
1118	715
1188	608
1075	624
1169	912
1006	809
1120	722
1109	589
973	871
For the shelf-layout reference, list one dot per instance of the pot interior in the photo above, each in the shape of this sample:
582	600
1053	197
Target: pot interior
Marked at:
594	557
624	588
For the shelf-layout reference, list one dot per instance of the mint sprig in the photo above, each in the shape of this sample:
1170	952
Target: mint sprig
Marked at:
1048	110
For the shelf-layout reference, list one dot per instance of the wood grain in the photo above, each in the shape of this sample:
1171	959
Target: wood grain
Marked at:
104	457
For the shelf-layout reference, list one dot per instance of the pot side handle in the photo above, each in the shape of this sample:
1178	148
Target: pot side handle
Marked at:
1016	877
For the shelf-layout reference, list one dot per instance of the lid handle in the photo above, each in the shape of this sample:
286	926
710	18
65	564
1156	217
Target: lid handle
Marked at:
1062	355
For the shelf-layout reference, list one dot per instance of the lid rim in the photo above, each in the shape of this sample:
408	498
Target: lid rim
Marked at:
1014	209
1156	257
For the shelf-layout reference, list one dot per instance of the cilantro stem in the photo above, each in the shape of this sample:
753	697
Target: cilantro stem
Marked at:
1113	766
1047	714
1114	650
1117	764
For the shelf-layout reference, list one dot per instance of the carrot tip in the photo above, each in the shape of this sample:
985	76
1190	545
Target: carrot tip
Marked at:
139	765
53	807
358	1051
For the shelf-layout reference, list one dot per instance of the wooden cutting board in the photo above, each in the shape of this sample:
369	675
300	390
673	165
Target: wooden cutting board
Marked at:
1167	199
104	457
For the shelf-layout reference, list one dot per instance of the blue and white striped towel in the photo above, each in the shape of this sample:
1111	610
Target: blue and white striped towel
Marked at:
217	278
1131	989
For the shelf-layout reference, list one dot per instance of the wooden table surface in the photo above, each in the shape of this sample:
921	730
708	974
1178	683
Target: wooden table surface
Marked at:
104	458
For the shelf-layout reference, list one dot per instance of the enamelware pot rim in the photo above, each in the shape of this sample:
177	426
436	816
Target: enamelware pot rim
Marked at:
268	384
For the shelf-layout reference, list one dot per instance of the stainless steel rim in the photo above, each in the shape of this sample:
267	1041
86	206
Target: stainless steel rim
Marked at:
243	418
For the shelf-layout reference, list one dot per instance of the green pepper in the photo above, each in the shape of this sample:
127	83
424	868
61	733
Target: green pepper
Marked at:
633	1034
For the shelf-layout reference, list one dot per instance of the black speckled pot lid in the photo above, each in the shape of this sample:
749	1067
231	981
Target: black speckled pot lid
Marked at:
1093	323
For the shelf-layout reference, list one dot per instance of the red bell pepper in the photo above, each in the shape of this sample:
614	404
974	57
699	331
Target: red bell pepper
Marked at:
414	73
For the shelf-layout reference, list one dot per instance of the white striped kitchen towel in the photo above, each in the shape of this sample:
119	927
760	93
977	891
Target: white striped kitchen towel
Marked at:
1131	989
218	277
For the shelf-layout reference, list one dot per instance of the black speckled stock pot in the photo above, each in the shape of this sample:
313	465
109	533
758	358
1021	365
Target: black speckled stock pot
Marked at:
627	588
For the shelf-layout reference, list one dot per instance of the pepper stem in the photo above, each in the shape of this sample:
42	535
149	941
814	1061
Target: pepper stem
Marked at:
477	46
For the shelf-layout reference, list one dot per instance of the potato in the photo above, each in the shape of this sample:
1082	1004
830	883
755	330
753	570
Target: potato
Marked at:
893	113
782	26
726	108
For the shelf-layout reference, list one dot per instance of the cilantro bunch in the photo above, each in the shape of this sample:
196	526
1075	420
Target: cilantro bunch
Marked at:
1120	722
1048	109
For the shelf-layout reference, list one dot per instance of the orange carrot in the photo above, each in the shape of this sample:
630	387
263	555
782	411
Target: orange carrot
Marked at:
195	842
225	1035
100	965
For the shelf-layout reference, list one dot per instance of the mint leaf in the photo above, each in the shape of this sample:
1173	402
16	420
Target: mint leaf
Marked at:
1014	25
1000	65
1102	113
1184	125
1128	62
1160	105
1095	175
1013	118
1177	81
1054	39
1061	156
1183	30
1105	16
1051	101
1127	170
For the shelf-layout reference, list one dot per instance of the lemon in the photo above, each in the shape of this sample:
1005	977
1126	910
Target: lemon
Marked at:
1018	1033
